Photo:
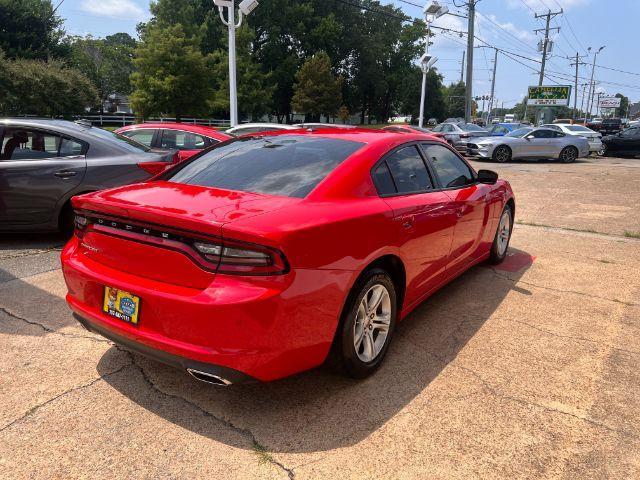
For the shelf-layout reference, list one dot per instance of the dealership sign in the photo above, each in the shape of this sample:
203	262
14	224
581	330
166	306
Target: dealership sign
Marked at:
550	95
610	102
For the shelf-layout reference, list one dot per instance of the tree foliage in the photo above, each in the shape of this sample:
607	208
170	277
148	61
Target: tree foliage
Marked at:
317	91
43	88
30	29
107	62
172	74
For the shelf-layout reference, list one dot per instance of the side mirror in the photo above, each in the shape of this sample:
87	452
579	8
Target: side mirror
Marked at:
528	137
487	176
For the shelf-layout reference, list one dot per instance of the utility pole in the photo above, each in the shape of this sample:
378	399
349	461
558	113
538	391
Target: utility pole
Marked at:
591	85
462	69
545	46
470	37
493	85
575	88
584	91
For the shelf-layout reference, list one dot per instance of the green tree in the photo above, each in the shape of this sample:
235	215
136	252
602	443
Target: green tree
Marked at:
43	88
410	92
624	105
317	90
254	87
107	62
31	29
454	99
172	75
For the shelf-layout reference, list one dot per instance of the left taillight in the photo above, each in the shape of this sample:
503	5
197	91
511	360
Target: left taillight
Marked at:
154	168
80	223
240	258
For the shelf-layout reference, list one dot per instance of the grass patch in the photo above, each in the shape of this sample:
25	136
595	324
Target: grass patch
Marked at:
261	451
630	234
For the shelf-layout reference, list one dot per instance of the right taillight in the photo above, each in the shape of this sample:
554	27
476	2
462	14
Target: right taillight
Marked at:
80	225
241	258
154	168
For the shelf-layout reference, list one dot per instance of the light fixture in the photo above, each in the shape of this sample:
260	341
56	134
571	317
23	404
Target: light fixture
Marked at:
248	6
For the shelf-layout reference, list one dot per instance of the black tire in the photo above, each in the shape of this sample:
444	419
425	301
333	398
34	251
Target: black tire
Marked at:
345	351
569	154
496	256
502	154
66	220
603	151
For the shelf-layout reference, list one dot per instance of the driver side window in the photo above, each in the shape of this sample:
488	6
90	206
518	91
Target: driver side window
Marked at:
452	172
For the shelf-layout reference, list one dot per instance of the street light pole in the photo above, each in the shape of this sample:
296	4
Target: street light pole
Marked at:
246	7
591	85
469	83
431	10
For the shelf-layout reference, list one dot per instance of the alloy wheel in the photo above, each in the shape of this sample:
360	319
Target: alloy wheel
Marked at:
568	155
373	319
502	154
504	232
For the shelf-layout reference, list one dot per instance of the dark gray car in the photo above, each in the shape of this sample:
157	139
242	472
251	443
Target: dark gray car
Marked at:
43	163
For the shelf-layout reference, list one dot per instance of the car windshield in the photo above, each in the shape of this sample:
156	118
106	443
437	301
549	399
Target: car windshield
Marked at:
289	165
521	132
578	128
470	127
125	142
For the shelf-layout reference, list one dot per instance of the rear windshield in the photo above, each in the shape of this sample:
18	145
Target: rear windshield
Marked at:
289	165
578	128
124	142
470	127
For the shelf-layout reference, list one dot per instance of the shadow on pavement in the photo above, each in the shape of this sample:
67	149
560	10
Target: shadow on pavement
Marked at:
322	410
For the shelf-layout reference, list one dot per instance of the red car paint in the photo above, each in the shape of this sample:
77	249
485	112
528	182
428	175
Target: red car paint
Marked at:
272	326
209	132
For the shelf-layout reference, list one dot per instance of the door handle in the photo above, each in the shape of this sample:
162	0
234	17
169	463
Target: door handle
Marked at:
65	174
407	221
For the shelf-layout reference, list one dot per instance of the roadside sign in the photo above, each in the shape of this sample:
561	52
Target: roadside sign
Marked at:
550	95
610	102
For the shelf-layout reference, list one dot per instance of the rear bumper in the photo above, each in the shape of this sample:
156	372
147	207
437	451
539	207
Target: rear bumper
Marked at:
228	374
261	328
595	145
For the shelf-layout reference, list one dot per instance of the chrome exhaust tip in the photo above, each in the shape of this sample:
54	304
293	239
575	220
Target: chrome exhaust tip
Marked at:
208	378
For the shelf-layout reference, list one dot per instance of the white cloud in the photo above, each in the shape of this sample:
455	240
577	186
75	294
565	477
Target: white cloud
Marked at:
522	34
451	39
114	8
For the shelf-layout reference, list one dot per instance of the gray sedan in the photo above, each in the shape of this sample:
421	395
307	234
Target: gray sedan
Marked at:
534	143
43	163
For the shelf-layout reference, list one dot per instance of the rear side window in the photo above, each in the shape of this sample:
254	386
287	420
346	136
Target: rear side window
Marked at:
143	136
289	165
451	171
408	170
383	180
183	140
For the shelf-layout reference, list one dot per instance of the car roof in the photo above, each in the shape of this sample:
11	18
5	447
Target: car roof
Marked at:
185	127
363	135
272	125
61	126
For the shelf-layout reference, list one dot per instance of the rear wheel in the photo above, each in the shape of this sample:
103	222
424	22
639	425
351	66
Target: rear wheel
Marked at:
367	324
502	237
569	154
502	154
603	151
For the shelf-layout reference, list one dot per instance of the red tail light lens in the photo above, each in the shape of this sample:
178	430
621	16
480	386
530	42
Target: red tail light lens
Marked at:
80	226
153	168
243	259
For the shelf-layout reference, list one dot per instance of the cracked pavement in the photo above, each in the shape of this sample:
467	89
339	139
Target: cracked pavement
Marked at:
525	370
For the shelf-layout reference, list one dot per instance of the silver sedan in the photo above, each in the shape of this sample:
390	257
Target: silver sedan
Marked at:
534	143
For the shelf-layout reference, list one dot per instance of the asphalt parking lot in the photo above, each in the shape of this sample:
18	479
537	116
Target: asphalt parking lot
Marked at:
527	370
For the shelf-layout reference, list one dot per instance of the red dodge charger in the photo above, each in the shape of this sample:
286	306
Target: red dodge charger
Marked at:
262	255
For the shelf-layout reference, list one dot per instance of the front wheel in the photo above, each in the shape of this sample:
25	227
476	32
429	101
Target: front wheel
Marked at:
603	151
502	237
368	324
569	154
502	154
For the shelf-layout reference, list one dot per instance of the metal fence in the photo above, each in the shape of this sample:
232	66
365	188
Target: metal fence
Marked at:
122	120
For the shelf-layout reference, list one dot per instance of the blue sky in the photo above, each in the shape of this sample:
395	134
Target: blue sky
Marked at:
507	24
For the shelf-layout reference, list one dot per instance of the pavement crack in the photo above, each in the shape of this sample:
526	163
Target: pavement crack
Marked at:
37	407
578	339
256	446
561	290
50	330
497	393
30	253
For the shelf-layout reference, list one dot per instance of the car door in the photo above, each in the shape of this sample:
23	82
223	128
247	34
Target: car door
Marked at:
627	142
37	169
423	217
538	144
187	143
468	199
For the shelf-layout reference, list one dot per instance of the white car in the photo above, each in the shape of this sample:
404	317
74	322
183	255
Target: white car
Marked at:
532	143
594	138
246	128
